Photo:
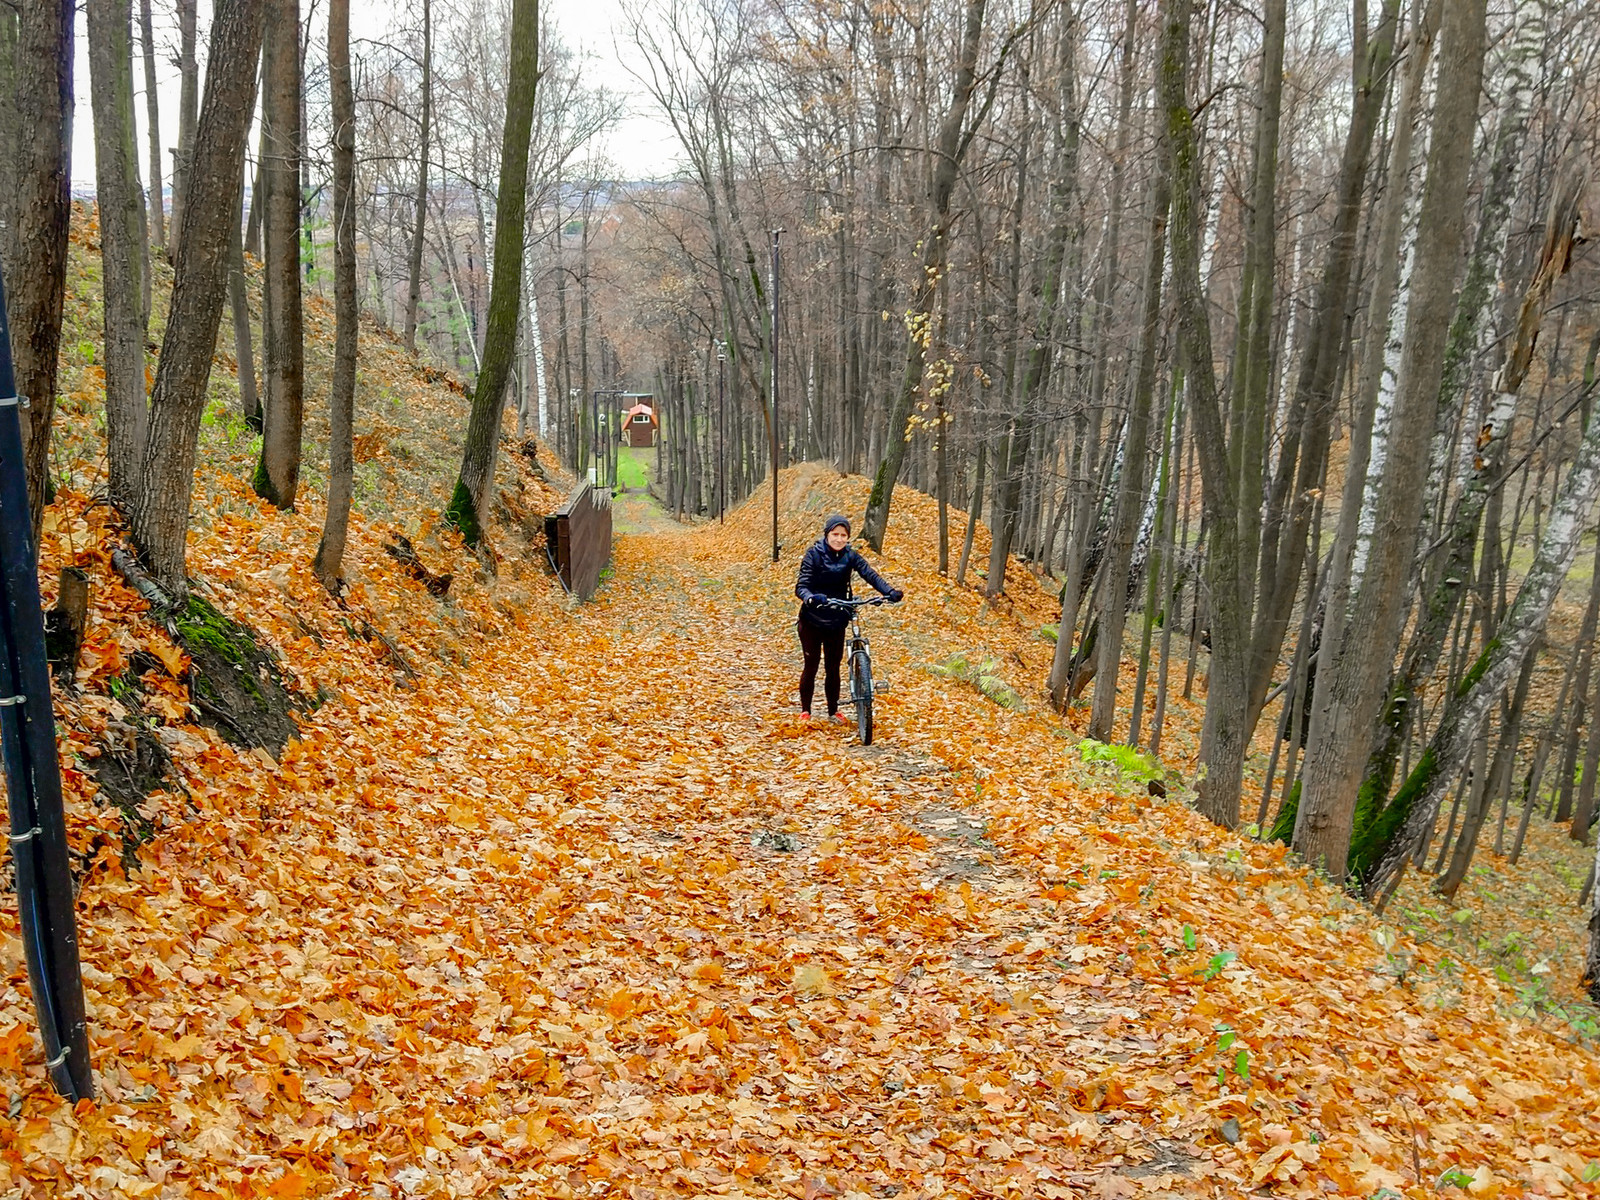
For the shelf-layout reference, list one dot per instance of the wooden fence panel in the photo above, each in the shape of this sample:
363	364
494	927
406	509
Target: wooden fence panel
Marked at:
579	534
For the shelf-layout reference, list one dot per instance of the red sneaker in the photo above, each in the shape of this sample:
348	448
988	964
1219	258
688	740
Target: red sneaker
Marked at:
839	717
804	715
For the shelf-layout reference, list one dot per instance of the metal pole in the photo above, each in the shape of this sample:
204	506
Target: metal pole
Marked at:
722	422
773	429
38	834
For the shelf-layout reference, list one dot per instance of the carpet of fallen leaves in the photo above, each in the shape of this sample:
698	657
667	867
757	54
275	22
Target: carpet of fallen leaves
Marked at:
555	901
590	911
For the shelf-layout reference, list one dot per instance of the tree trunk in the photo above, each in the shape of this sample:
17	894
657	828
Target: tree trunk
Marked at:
37	207
277	476
1591	958
1358	682
1468	335
329	563
466	510
1583	810
1224	734
1376	339
121	226
160	517
1157	559
158	216
420	213
974	507
1253	367
238	301
1470	704
953	143
1373	825
1048	277
1304	454
1498	779
1131	493
188	93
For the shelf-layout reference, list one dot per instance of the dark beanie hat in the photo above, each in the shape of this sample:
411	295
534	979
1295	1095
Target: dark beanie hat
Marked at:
835	519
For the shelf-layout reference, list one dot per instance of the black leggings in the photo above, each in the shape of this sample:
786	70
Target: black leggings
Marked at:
814	639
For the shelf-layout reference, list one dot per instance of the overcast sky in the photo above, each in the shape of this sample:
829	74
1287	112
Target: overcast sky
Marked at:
641	147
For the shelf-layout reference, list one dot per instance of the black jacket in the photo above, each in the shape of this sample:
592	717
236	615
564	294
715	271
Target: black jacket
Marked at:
825	574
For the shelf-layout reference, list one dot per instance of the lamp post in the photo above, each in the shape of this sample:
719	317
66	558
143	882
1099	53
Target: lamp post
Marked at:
773	424
594	439
575	401
722	422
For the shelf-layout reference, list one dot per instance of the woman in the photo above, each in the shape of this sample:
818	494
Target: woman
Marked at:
825	576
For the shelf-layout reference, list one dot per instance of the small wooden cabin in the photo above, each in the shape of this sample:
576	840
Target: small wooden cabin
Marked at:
639	426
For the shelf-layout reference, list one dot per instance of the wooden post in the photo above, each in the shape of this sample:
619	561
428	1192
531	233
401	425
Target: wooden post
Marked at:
64	624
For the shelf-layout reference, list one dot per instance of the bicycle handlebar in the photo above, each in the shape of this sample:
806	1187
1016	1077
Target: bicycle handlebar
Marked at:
830	602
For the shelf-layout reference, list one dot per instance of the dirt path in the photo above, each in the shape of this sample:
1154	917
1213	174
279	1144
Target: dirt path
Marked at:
635	511
789	962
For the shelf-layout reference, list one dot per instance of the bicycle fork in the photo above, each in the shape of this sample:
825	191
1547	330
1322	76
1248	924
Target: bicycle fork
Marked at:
858	649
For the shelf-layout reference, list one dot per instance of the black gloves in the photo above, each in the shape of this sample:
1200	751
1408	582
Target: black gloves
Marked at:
896	595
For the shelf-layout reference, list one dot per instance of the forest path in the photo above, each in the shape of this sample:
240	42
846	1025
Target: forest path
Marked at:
635	511
807	961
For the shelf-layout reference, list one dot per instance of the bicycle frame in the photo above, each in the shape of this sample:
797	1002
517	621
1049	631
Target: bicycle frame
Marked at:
856	645
857	642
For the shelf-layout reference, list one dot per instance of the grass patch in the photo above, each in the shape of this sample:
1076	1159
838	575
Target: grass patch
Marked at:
633	468
1127	761
983	674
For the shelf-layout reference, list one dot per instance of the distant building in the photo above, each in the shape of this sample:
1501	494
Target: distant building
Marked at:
639	425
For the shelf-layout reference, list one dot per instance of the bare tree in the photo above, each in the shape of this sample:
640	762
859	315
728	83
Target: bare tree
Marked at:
160	516
157	197
955	136
278	473
37	117
1357	682
420	213
466	510
188	92
121	237
329	564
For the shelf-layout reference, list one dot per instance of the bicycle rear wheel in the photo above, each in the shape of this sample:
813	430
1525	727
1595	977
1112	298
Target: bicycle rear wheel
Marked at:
861	693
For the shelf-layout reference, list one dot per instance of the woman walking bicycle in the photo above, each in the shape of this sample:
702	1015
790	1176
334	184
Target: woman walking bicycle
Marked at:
825	574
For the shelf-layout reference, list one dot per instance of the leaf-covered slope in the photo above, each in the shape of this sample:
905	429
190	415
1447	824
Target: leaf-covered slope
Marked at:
593	905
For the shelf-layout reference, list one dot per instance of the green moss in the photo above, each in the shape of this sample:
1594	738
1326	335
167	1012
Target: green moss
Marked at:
262	483
1368	846
462	514
879	486
1283	828
1369	802
201	625
1470	679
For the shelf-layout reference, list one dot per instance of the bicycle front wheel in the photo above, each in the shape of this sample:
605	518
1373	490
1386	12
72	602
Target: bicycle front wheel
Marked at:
861	693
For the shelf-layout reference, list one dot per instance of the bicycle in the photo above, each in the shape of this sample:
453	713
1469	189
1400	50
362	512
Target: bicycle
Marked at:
860	662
